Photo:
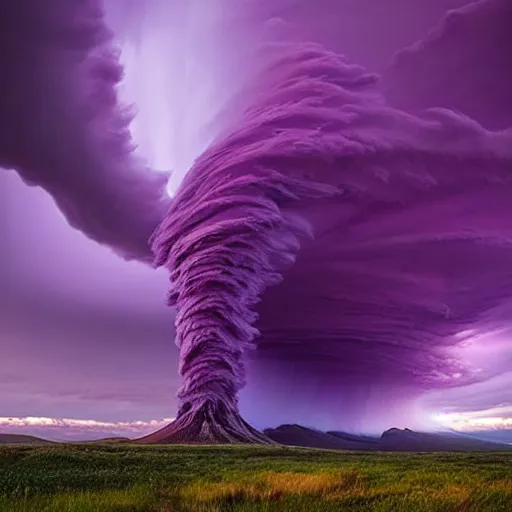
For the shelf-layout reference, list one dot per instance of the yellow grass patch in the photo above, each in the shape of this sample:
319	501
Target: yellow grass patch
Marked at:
502	485
272	485
452	493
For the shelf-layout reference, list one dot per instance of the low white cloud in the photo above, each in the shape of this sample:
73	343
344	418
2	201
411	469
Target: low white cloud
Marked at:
497	418
68	428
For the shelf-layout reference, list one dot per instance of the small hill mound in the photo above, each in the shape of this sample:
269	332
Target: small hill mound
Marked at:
22	439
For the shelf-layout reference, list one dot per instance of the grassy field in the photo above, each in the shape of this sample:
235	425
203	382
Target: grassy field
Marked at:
123	478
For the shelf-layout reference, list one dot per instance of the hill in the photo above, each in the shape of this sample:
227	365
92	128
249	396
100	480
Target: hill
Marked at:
22	439
393	440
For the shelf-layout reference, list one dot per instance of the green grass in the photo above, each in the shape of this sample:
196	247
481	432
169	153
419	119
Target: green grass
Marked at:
131	478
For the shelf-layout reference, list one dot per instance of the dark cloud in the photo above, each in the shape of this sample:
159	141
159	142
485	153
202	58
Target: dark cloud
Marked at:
344	26
463	64
62	127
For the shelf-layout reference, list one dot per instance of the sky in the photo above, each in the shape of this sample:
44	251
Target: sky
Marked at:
83	334
86	339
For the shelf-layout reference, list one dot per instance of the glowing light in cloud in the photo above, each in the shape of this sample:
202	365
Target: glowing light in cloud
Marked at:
499	418
173	55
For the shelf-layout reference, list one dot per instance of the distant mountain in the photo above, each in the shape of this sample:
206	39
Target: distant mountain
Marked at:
354	437
22	439
396	439
393	440
297	435
496	436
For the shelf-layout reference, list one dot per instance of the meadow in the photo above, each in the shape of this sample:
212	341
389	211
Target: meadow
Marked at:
134	478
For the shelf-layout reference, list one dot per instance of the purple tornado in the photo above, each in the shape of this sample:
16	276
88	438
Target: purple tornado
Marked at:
358	228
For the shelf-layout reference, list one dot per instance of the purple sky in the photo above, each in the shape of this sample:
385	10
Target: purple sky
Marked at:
86	335
83	334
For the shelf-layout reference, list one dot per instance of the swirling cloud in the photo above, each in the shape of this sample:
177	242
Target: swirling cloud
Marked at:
62	126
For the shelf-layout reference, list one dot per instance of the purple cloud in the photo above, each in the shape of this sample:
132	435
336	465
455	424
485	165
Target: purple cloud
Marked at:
62	127
463	65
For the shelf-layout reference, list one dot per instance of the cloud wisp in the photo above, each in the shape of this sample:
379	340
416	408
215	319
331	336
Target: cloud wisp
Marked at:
78	429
